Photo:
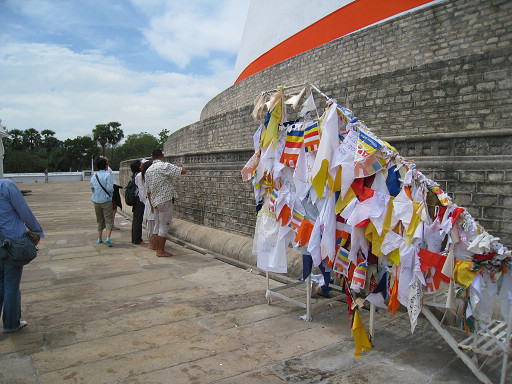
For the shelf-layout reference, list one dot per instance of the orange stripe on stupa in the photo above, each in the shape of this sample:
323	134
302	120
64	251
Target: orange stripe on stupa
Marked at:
350	18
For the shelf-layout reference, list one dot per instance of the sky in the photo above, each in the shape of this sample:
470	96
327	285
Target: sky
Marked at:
68	65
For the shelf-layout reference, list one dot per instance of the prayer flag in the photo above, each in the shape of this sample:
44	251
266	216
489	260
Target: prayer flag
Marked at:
311	138
342	231
463	272
360	337
304	232
272	201
443	197
294	142
367	167
296	221
308	105
294	100
272	124
284	215
328	144
366	145
429	279
359	278
342	263
394	303
249	169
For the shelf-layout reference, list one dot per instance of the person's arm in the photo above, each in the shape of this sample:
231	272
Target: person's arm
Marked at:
21	207
183	170
174	170
149	199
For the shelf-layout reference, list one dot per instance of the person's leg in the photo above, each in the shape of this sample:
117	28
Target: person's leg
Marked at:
116	203
100	219
155	228
108	214
164	225
134	225
150	226
2	286
114	211
138	216
12	298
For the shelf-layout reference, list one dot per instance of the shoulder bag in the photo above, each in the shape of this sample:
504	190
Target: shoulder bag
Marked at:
17	252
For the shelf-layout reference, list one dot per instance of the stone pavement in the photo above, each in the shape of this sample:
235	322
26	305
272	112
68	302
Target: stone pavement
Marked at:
121	315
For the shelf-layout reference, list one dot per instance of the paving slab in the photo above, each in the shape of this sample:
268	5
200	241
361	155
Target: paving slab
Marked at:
123	315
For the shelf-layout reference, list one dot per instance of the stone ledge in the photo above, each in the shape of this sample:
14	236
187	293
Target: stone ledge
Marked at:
224	244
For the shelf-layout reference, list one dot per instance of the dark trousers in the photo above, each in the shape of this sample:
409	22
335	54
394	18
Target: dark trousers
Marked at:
138	216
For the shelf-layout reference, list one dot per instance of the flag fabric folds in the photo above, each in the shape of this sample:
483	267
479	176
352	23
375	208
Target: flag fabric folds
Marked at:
294	142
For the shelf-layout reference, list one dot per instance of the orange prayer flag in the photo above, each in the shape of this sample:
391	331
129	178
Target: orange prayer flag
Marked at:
304	232
394	304
284	215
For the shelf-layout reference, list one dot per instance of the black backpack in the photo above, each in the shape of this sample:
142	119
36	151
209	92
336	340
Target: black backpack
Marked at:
130	193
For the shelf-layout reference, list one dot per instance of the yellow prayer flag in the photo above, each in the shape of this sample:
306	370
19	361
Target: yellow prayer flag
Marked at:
319	180
342	203
272	130
335	184
360	337
463	273
386	227
413	225
394	256
373	237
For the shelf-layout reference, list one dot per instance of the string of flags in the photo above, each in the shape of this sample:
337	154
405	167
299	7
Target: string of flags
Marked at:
330	185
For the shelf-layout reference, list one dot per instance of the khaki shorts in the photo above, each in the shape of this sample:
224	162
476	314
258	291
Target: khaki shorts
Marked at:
163	218
104	215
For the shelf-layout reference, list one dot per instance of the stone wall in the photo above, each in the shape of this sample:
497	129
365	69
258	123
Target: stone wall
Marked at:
435	83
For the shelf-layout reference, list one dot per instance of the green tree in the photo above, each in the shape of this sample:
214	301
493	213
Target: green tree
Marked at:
31	138
22	161
115	136
137	145
49	142
15	141
162	137
75	154
101	135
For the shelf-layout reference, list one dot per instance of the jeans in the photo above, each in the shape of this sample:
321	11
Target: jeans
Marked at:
10	296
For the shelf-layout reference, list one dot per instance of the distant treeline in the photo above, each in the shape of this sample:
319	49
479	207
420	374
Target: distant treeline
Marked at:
29	150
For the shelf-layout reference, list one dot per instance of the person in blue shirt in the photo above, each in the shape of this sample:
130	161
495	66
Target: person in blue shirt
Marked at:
15	218
102	186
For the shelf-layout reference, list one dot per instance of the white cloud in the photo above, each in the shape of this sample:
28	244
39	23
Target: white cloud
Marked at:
180	33
69	65
50	87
